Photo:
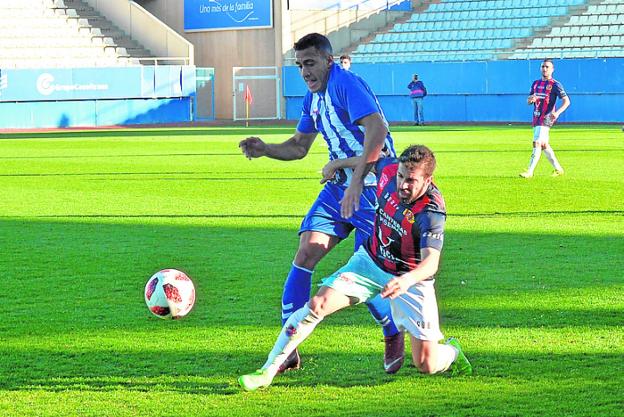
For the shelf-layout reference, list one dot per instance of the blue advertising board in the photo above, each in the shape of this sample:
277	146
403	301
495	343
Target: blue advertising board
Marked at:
204	15
492	91
83	97
19	85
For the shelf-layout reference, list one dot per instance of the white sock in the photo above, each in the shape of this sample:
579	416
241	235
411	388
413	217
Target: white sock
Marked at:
550	154
446	355
535	157
297	328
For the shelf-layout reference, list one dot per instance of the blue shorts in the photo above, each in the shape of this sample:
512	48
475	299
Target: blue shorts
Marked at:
324	215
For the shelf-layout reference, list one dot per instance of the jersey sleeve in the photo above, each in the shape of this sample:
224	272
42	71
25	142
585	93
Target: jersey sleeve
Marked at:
356	97
382	163
532	89
560	90
306	122
431	228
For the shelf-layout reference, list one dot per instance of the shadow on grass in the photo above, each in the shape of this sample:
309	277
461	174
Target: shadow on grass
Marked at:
91	273
80	282
216	373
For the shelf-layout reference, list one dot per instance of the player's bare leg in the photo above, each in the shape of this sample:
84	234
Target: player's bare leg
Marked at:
432	357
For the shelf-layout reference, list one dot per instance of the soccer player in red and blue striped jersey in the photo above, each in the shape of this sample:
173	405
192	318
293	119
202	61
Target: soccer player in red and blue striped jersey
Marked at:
543	96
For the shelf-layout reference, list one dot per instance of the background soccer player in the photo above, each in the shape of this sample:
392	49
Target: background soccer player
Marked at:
399	261
345	62
543	95
342	107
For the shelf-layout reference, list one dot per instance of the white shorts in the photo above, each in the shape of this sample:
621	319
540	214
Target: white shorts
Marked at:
415	311
541	134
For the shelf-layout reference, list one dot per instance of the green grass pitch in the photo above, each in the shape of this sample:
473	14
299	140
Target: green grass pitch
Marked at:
531	282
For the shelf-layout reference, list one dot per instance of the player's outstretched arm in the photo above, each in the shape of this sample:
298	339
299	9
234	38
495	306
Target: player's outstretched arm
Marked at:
425	269
374	137
296	147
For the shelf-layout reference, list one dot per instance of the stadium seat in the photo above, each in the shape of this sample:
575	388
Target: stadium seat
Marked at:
460	26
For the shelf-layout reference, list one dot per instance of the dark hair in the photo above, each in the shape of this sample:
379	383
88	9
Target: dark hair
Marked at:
419	156
320	42
548	60
345	57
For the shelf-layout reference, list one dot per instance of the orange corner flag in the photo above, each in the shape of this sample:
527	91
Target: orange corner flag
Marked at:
248	96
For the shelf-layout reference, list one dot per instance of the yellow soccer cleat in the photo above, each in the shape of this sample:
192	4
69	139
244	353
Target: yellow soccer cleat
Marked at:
259	379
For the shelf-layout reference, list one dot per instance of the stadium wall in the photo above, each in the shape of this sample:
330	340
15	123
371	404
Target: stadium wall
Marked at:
45	98
224	49
492	91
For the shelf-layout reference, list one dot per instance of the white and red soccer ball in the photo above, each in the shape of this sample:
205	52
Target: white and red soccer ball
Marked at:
169	294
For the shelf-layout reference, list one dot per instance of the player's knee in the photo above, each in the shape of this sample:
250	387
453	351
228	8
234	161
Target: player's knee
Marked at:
424	363
317	305
304	259
308	255
425	366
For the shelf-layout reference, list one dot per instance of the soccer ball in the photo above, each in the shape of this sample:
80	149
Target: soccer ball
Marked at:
169	294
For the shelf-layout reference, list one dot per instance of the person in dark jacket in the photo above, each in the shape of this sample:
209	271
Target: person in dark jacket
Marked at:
417	93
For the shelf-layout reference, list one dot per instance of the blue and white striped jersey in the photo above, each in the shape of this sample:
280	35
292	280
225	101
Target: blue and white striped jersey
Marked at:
333	113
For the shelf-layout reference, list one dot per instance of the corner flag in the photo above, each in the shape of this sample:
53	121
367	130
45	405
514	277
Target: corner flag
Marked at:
248	100
248	96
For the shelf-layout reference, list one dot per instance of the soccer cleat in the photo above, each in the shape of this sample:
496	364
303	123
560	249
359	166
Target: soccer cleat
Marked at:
394	353
292	362
259	379
557	173
461	365
526	174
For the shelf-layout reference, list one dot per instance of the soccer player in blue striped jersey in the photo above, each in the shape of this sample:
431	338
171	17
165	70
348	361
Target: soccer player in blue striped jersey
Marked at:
342	108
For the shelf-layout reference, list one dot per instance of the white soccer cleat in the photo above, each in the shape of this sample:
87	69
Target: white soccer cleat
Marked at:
526	174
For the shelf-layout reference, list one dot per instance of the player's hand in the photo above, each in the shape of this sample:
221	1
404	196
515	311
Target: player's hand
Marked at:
350	202
395	287
553	117
328	172
531	99
253	147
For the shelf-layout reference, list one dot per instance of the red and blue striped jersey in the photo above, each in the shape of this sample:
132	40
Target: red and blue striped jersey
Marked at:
546	92
401	230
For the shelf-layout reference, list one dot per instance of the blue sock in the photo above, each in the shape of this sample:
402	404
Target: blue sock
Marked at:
380	309
296	290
